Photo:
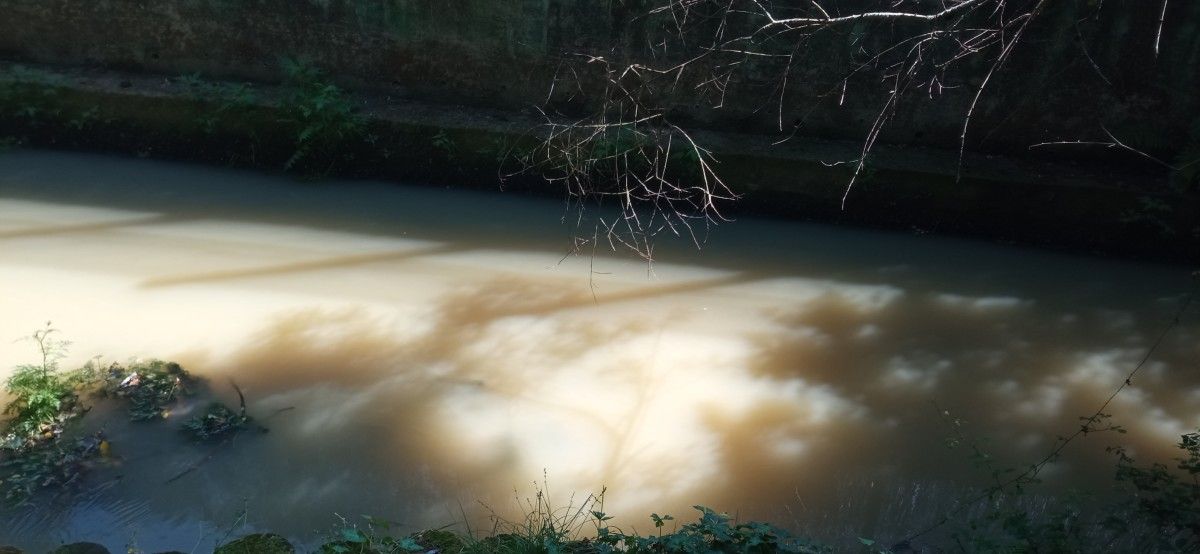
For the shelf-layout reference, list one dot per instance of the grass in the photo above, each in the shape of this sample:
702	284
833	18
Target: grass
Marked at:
579	529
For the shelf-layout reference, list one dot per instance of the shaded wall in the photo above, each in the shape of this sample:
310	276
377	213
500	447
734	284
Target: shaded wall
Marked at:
1071	78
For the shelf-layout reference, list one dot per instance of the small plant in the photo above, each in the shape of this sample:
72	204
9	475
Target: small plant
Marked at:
84	119
219	421
371	537
548	530
259	543
713	532
1167	500
218	102
324	118
151	387
1185	174
9	142
30	95
42	399
1152	212
215	422
47	465
443	143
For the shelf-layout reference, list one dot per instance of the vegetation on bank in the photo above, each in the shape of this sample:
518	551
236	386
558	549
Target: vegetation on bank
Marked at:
310	127
306	125
39	446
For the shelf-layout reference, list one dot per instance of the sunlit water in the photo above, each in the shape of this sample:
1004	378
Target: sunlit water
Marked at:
427	356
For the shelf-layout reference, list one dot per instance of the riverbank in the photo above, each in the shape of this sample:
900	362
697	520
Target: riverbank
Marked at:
1100	210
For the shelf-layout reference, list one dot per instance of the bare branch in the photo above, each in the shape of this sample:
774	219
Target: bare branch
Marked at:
893	16
1162	18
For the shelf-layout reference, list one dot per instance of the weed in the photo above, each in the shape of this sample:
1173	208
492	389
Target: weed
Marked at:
261	543
47	465
151	387
220	102
444	144
42	398
9	142
1185	175
1166	501
84	118
548	530
324	118
370	537
215	422
1152	212
713	532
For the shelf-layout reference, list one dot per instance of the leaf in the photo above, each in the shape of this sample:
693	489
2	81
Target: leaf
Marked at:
376	522
353	535
411	545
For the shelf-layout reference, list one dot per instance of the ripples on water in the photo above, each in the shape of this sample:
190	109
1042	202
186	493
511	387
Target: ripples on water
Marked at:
418	354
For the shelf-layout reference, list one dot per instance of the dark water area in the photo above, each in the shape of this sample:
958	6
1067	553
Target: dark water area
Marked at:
429	356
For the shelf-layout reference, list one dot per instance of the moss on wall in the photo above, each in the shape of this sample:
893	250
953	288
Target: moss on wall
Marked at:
909	189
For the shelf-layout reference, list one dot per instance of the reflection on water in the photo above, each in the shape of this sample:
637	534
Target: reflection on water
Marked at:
419	354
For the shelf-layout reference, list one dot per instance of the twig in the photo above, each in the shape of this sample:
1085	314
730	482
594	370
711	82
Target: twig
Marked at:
1162	18
241	398
1113	142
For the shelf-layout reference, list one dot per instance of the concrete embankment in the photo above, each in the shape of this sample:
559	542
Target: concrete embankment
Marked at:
1076	206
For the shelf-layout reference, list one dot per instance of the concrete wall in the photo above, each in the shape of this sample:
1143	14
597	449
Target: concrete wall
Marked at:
504	53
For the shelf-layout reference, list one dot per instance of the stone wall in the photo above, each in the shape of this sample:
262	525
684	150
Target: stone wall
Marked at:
504	53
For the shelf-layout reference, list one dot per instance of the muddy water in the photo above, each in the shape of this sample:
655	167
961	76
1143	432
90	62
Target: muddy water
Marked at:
428	356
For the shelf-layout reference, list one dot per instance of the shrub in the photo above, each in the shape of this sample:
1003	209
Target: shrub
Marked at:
324	119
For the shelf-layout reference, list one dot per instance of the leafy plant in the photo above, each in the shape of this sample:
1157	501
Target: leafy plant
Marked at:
47	465
216	421
548	530
29	94
84	119
9	142
41	398
219	102
444	143
1153	212
151	387
371	537
324	118
44	400
1165	499
1186	169
712	532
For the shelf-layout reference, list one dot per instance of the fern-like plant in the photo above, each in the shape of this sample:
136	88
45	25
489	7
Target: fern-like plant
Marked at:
39	393
324	119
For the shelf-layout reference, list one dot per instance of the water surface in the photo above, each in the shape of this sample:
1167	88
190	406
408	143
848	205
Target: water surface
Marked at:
428	356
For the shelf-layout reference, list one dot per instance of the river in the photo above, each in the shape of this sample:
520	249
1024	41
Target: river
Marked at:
430	356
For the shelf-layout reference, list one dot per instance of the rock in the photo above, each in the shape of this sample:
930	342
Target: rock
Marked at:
259	543
11	550
80	548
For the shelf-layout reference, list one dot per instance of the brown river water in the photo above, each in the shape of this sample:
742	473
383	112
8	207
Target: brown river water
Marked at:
429	356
